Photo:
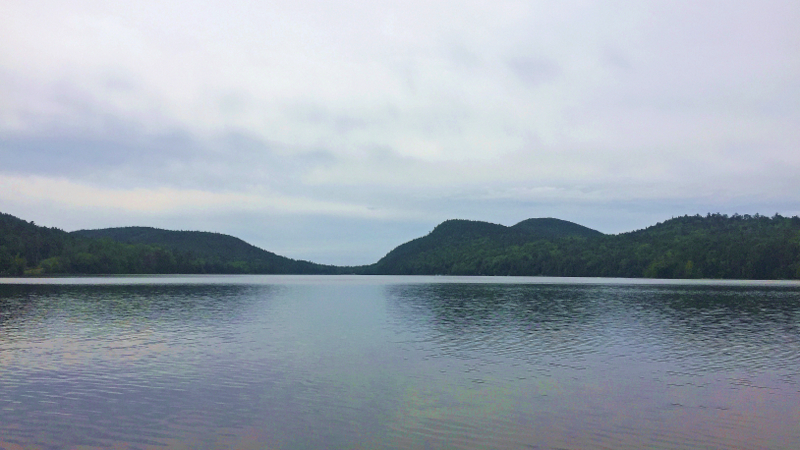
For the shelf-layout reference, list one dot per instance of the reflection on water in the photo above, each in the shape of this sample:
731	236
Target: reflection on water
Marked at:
316	362
616	366
724	325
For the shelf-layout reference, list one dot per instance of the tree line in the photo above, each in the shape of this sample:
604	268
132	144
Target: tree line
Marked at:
710	246
26	248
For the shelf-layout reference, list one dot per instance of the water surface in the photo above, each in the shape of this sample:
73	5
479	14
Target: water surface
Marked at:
291	362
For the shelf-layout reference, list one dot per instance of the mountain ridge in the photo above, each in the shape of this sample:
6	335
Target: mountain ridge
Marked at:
26	248
207	245
458	236
711	246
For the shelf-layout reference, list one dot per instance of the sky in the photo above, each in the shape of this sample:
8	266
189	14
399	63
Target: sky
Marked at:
333	131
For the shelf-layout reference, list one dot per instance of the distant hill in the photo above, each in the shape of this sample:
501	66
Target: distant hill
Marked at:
24	244
26	248
465	246
548	228
711	246
214	248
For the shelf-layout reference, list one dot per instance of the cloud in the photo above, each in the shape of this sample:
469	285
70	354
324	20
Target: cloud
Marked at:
377	109
533	71
80	196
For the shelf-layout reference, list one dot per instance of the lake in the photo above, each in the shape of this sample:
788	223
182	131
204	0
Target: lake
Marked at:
349	362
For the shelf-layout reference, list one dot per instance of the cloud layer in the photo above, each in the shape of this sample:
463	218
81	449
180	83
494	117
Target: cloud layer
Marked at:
243	117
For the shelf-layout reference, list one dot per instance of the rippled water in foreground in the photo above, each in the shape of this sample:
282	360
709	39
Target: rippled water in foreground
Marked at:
397	362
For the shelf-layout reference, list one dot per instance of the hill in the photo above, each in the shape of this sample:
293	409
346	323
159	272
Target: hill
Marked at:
212	248
711	246
24	244
548	228
26	248
466	247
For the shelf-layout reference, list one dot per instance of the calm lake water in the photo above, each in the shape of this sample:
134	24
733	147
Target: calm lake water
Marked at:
306	362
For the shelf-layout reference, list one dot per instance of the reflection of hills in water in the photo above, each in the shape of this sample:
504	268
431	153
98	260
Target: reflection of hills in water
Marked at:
700	327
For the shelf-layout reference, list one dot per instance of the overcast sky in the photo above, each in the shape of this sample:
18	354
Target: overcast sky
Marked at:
334	131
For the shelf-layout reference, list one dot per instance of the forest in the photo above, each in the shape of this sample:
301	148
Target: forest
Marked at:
712	246
28	249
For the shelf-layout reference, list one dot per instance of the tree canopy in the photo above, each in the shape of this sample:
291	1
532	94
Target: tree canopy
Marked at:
711	246
26	248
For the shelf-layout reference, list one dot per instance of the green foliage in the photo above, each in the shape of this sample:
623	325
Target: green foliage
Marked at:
554	228
204	252
712	246
26	248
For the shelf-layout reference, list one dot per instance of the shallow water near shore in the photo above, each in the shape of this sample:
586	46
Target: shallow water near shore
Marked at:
303	362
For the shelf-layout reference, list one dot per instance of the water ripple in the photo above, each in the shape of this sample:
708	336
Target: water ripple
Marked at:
393	365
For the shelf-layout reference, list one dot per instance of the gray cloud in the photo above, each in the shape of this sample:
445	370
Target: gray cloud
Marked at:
534	71
82	156
295	123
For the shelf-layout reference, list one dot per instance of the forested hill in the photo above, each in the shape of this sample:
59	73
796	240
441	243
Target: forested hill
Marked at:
201	244
711	246
466	246
554	228
211	248
28	248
